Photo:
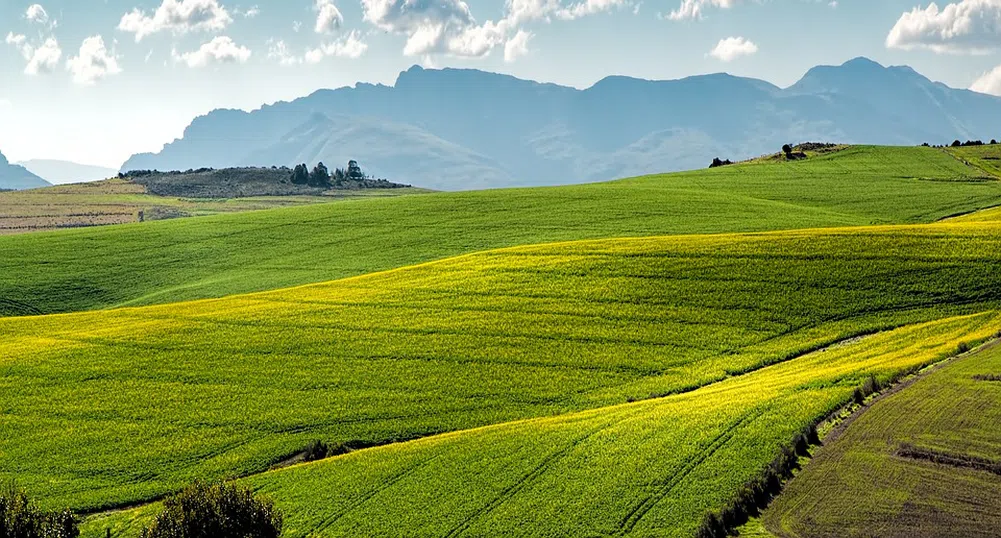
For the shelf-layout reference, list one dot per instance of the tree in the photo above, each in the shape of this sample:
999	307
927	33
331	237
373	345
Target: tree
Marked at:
787	149
956	144
354	171
320	176
216	510
300	175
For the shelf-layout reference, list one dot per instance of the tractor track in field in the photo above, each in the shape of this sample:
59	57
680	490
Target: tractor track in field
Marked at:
629	522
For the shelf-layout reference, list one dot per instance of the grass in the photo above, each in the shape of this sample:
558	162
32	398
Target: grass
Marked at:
216	256
116	201
649	468
112	407
987	157
918	463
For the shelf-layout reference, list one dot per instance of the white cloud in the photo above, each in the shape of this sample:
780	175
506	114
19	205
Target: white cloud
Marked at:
349	46
965	27
588	7
989	82
278	50
693	9
42	58
45	58
250	13
17	40
177	16
93	63
517	46
731	48
448	27
328	17
221	50
37	14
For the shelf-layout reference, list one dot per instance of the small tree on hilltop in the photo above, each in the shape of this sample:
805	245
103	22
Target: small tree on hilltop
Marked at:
354	171
320	176
215	511
787	149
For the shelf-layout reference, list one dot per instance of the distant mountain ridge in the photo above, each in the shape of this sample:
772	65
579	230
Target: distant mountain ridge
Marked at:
462	129
17	177
60	172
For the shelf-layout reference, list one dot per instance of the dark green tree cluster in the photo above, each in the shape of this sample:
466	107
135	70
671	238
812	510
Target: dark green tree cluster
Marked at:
322	177
21	518
319	177
216	510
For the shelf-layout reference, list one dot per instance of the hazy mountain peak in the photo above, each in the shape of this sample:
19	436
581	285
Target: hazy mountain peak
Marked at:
861	62
17	177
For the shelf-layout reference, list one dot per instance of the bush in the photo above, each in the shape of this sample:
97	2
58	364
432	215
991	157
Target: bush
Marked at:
21	518
215	510
317	450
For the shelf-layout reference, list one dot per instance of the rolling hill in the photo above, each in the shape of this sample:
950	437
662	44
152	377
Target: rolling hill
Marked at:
471	129
60	172
216	256
113	407
14	177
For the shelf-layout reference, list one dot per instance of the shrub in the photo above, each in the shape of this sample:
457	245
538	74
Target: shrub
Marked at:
215	510
317	450
21	518
963	347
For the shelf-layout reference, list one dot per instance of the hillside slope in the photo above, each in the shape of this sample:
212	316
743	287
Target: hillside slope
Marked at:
111	407
473	129
216	256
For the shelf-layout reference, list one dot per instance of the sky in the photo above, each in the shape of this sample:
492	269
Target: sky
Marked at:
94	81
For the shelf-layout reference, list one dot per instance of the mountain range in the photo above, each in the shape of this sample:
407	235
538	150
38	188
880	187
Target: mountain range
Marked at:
60	172
17	177
456	129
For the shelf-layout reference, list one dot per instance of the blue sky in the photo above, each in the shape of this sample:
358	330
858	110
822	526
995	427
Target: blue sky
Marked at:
97	80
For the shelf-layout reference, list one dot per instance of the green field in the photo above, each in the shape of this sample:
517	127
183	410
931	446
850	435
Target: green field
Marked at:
877	480
112	407
569	361
116	201
217	256
644	469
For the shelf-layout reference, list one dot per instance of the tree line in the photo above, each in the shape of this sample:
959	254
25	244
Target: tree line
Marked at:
321	176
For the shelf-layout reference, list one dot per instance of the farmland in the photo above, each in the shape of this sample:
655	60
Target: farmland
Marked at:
112	407
604	359
922	462
649	468
118	202
228	254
